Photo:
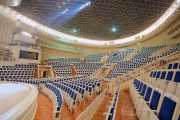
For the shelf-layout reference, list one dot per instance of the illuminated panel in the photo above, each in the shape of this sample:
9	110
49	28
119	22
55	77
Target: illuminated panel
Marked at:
72	39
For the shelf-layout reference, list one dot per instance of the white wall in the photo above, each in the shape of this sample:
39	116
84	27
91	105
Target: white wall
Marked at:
6	30
16	52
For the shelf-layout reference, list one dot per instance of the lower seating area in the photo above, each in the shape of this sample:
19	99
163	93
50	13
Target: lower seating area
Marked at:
158	97
77	90
70	90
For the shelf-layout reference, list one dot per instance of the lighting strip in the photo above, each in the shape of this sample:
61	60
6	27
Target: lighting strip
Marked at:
69	38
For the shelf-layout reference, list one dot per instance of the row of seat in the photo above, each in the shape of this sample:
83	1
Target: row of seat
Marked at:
158	97
110	114
75	90
147	51
139	60
54	94
175	65
152	103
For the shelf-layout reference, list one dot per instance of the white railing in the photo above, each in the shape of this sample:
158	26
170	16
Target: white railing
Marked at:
25	109
93	107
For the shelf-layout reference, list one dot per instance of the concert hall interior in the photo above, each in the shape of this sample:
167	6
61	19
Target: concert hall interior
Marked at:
89	59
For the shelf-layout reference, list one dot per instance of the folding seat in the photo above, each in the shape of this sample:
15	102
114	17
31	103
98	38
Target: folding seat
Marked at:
140	95
137	91
175	65
169	75
161	82
112	108
72	102
152	104
177	76
137	86
168	109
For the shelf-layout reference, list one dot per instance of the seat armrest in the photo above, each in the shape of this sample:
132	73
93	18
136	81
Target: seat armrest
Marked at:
155	111
106	113
108	106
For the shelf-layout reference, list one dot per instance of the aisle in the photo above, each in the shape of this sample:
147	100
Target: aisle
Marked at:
44	108
99	113
125	109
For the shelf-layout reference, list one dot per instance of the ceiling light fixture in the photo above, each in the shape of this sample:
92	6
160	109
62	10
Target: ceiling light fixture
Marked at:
113	29
26	33
74	31
85	5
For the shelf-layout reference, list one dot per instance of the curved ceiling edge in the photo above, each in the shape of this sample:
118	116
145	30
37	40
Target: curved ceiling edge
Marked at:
74	40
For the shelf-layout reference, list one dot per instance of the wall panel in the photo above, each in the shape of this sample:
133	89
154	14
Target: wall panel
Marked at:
6	30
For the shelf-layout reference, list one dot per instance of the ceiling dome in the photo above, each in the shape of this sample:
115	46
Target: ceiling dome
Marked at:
99	20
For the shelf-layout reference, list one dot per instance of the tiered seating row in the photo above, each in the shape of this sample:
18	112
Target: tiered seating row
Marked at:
94	58
54	94
110	114
17	72
142	57
159	97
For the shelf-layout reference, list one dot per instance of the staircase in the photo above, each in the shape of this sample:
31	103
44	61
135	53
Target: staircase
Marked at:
104	71
129	57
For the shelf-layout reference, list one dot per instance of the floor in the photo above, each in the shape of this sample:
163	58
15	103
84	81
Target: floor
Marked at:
80	107
102	109
125	109
66	115
44	108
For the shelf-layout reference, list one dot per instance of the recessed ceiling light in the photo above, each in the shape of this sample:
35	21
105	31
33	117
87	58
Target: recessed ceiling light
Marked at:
113	29
74	30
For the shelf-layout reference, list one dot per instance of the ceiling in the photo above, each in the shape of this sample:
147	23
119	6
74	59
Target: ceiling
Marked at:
95	21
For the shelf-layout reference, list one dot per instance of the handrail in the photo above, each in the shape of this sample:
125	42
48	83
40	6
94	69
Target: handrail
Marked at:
92	108
25	109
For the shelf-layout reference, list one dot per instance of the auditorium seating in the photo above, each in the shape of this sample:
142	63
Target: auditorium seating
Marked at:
118	56
142	57
74	89
94	58
17	72
87	68
55	95
64	69
158	97
110	114
149	96
62	60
